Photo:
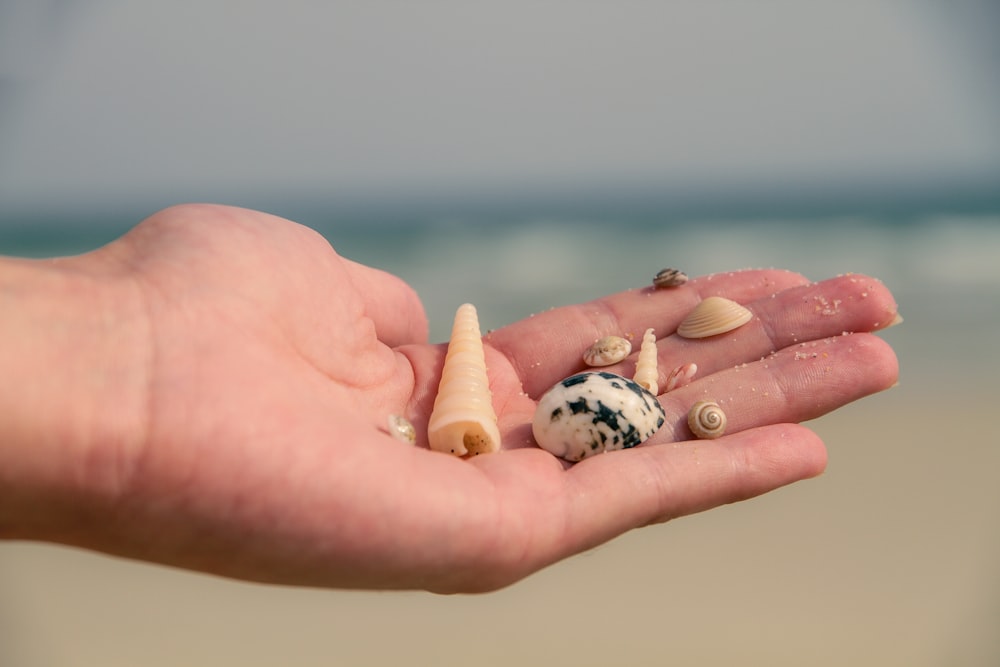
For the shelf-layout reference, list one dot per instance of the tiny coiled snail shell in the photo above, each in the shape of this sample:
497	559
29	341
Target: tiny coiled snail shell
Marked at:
706	420
713	316
669	278
606	351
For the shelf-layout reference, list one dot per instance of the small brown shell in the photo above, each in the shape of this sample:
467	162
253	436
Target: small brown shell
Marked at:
669	278
713	316
706	420
606	351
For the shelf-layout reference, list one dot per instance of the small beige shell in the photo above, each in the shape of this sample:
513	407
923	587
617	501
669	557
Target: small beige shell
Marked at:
463	420
646	373
706	420
401	429
713	316
606	351
669	278
681	376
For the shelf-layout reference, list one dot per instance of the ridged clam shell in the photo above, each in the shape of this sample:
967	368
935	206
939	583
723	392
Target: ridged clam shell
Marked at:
463	420
595	412
713	316
706	420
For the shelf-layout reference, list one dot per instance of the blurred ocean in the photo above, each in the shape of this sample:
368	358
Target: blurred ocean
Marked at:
944	268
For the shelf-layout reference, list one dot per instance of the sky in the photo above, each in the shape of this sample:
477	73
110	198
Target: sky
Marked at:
112	102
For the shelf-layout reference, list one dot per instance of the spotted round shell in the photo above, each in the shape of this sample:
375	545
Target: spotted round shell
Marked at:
594	412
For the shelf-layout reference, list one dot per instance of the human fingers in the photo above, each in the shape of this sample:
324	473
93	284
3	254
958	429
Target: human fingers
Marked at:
796	315
631	488
794	384
390	303
547	347
549	513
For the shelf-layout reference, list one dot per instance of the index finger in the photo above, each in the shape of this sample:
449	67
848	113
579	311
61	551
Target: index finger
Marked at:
545	348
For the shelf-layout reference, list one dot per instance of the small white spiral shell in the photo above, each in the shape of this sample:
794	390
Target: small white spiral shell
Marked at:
706	420
463	420
646	373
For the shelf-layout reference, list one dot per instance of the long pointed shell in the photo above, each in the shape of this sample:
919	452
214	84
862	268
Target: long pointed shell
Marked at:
647	375
715	315
463	419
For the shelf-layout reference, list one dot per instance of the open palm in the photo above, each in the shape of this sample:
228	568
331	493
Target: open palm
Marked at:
273	365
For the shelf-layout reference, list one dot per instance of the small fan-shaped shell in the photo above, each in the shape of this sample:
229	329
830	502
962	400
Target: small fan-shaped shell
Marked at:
606	351
594	412
706	420
713	316
463	419
647	375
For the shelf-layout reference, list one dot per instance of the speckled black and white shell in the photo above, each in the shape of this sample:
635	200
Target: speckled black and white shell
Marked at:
595	412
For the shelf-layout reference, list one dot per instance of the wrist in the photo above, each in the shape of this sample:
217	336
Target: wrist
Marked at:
71	403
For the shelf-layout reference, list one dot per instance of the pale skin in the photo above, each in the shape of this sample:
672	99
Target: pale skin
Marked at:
211	390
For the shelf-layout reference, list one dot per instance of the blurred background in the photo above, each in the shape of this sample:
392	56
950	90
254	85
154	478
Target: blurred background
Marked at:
522	155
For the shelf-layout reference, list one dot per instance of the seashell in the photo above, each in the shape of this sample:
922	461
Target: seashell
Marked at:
595	412
706	420
606	351
669	278
646	373
715	315
401	429
463	420
680	376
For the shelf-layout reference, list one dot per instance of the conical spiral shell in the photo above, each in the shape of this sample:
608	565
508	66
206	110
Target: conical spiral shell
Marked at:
463	420
647	374
706	420
713	316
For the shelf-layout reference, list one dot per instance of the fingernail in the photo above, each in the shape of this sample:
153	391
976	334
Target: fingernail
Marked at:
897	319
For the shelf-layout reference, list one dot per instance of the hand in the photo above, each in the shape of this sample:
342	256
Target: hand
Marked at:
269	365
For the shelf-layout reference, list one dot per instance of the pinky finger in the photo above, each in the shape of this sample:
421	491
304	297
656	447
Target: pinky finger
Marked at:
657	483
